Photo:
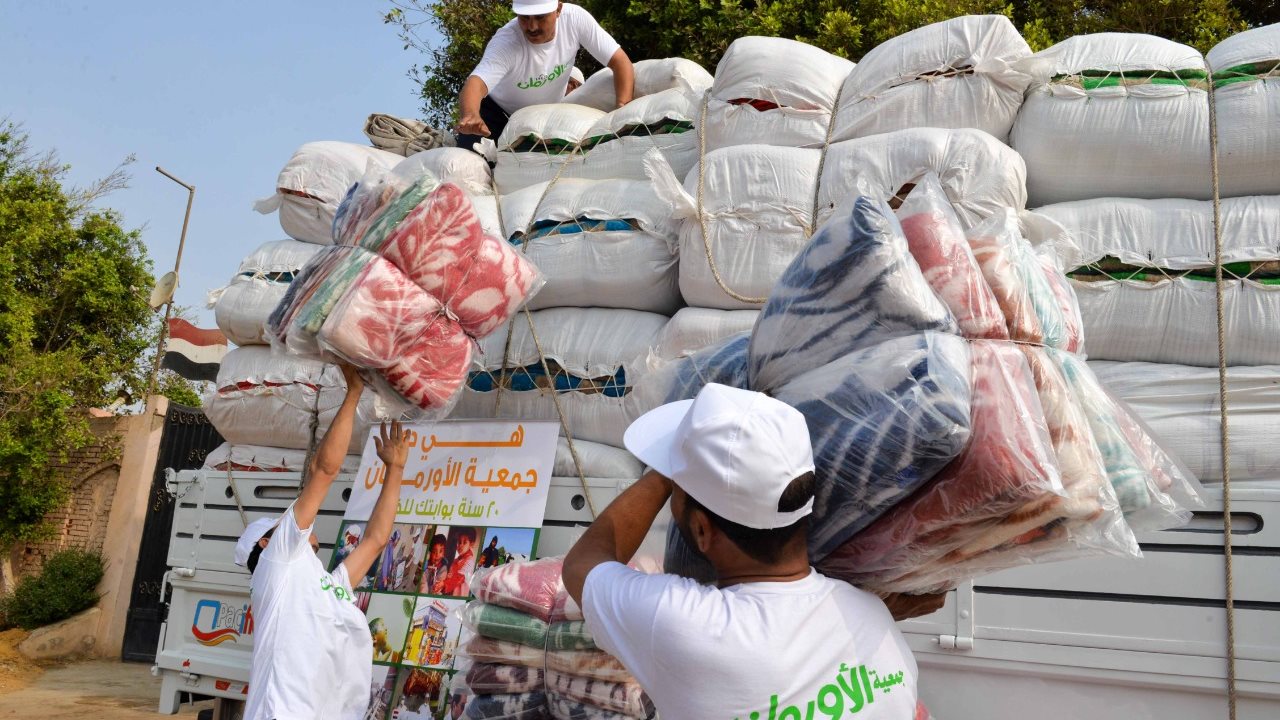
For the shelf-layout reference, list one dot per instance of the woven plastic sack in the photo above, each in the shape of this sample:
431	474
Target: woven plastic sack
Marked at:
937	242
651	77
1247	93
692	329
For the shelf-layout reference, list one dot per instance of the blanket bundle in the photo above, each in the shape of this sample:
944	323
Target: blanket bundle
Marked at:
954	430
413	281
532	656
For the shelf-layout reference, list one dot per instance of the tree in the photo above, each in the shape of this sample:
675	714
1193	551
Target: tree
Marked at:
701	30
74	323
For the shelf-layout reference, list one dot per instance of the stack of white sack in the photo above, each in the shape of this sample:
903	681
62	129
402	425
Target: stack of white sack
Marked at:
544	142
773	91
758	201
272	400
257	458
317	177
1144	277
960	73
651	78
1246	72
242	306
599	243
1115	115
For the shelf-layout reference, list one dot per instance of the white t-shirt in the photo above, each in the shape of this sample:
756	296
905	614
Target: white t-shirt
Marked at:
312	651
806	650
519	73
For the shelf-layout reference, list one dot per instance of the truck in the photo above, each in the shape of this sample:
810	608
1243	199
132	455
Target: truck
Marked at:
1100	638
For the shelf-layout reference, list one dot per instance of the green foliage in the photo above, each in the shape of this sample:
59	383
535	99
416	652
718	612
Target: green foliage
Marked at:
65	586
701	30
73	324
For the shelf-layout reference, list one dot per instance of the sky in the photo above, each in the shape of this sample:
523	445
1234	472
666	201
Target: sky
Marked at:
218	94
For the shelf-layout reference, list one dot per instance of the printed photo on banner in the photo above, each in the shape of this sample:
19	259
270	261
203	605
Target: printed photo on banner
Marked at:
435	567
380	692
401	560
466	473
348	537
418	693
389	617
458	697
505	545
434	633
460	554
362	601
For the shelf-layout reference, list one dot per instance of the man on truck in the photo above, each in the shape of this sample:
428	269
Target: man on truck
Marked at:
529	62
775	639
312	645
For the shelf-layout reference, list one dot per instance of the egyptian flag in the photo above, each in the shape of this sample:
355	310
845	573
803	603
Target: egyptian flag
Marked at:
193	353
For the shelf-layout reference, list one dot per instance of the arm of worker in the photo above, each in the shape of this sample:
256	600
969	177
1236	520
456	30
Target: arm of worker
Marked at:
904	607
393	449
617	533
624	77
327	462
474	90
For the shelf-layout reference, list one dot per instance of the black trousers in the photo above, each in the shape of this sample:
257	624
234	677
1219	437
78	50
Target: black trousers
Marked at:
494	116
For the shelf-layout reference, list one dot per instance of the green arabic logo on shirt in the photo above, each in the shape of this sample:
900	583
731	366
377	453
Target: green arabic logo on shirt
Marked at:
537	82
338	591
851	694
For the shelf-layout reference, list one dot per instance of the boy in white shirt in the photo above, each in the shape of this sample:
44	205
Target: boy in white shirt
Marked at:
529	62
775	640
312	649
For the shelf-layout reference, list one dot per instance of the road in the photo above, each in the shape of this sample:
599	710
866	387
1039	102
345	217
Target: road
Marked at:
98	689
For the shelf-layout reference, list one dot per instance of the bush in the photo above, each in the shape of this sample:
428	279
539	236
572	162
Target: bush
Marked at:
67	584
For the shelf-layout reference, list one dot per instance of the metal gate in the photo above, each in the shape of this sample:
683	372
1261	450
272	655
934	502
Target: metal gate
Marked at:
186	439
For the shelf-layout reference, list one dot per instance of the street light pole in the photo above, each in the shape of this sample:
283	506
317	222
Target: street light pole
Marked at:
177	263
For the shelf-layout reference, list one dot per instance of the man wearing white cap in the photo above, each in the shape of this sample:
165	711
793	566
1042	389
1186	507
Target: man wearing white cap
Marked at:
311	645
775	640
576	78
528	62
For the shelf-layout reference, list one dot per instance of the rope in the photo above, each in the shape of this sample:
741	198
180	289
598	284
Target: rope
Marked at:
702	216
542	358
822	161
1224	436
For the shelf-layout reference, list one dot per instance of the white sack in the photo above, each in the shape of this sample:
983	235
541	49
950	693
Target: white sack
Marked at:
1175	234
257	458
958	73
266	399
487	211
313	182
1180	404
586	342
695	328
1248	135
651	77
1174	321
598	461
803	80
464	168
242	307
1146	140
633	269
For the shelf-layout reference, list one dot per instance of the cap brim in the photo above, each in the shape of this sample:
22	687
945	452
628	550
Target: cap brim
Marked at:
652	437
535	8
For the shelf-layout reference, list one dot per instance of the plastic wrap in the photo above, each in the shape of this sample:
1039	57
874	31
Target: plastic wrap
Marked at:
853	286
995	246
1048	253
378	316
937	242
494	679
502	623
584	699
522	706
481	649
295	323
570	635
960	72
883	421
1141	473
1007	465
528	587
591	664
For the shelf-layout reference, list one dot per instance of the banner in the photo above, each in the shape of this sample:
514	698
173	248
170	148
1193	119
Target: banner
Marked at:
473	496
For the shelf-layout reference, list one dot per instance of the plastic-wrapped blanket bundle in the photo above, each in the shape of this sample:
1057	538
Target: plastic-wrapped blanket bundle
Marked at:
242	307
415	279
1015	274
528	656
957	73
1115	115
313	183
773	91
601	243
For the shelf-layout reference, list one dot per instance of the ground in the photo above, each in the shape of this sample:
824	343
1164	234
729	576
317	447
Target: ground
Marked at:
98	689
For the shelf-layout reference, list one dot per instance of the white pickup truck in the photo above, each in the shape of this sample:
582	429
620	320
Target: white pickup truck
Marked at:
1100	639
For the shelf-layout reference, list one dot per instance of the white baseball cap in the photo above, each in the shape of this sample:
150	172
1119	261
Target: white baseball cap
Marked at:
734	451
251	536
576	74
534	7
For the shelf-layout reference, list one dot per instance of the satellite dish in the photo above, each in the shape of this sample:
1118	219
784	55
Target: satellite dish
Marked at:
163	291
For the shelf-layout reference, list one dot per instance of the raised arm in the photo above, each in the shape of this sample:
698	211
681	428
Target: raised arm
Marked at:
624	77
618	532
474	90
393	449
327	462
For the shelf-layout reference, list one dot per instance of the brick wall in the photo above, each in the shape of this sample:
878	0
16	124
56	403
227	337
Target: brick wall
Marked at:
91	474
